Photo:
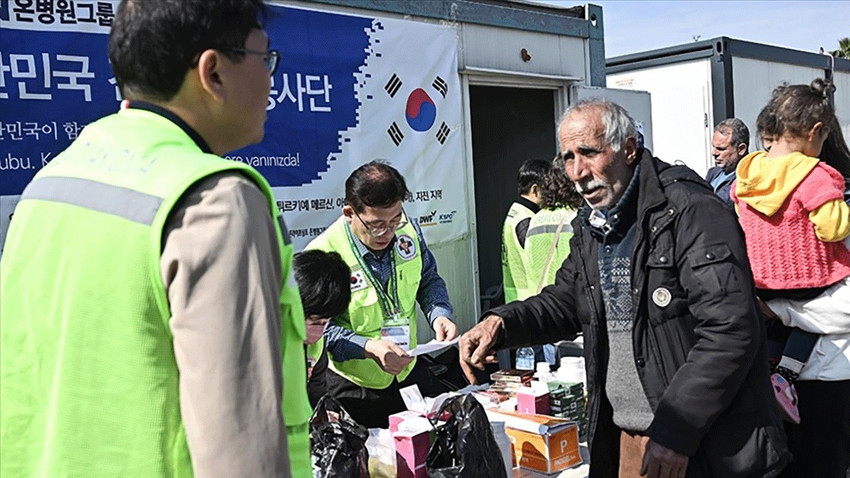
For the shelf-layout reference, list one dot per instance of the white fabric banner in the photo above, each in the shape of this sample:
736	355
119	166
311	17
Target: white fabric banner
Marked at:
348	89
409	115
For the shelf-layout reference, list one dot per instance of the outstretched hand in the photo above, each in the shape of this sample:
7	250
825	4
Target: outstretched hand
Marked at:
445	328
477	346
388	355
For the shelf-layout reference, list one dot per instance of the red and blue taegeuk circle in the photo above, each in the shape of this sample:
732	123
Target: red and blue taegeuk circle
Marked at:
421	110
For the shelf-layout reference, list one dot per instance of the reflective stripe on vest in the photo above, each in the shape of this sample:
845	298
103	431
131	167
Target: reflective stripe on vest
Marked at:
114	200
547	229
538	245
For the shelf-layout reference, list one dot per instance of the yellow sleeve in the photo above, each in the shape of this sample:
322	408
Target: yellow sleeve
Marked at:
831	220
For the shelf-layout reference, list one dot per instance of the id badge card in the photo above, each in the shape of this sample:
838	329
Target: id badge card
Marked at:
397	330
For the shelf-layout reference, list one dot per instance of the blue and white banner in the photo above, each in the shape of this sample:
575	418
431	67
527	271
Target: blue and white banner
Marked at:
349	89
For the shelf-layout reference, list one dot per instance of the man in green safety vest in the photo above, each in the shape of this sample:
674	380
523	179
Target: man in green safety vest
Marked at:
391	270
149	314
529	186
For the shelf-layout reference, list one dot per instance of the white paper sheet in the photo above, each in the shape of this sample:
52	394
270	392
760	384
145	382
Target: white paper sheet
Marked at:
431	346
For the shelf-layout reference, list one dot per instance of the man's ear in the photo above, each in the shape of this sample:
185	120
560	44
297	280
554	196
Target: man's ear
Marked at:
742	149
630	150
209	74
348	212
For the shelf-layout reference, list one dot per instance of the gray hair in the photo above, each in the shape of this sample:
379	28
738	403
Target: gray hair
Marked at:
737	129
619	126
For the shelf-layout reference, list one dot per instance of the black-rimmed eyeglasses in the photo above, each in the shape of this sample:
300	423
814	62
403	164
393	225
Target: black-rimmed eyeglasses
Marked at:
270	58
378	230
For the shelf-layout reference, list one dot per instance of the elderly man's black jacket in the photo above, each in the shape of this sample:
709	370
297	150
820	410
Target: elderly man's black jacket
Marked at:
701	357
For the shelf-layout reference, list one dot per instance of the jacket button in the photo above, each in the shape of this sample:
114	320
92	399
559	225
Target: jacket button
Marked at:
709	256
671	211
662	259
641	362
635	291
654	228
608	249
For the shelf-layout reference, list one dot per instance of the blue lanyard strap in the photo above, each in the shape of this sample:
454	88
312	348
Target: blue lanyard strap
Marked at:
390	305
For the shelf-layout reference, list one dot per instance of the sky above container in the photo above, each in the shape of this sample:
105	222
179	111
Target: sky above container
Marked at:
636	26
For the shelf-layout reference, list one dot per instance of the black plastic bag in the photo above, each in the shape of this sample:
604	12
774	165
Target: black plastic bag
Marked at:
464	447
338	443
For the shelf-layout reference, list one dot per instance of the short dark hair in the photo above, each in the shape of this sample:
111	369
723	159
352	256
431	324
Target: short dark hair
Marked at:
530	173
154	43
559	190
324	282
738	131
766	122
374	184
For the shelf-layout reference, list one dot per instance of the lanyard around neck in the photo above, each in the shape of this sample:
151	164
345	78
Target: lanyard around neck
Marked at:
389	304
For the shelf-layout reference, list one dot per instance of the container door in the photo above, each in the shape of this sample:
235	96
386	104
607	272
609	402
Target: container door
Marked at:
509	126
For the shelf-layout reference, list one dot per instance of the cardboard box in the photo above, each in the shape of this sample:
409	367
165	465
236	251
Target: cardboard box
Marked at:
512	375
411	451
396	418
541	443
571	388
531	401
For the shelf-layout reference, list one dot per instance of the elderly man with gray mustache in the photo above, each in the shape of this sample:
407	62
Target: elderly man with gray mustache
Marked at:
658	282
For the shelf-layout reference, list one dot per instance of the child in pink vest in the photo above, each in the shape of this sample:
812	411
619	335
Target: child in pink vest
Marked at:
791	208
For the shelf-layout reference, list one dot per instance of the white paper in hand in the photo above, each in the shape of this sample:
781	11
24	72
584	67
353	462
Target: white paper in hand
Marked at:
432	346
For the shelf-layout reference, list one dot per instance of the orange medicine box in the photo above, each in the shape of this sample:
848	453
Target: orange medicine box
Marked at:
541	442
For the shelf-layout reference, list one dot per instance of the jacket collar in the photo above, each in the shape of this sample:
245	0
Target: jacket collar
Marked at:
171	116
651	191
531	205
615	222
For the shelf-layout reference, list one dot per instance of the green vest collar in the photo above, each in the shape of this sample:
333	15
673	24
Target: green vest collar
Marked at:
171	116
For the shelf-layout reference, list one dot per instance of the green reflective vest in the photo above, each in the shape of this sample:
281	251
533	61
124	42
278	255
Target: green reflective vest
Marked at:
538	246
513	257
365	315
88	378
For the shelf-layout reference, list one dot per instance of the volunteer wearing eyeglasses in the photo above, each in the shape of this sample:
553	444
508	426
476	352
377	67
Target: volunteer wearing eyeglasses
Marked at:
391	270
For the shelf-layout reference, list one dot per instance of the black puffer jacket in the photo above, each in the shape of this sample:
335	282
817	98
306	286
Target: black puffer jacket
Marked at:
700	357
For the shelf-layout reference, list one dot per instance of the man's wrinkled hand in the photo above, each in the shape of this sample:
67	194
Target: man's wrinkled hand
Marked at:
477	346
662	462
445	328
388	355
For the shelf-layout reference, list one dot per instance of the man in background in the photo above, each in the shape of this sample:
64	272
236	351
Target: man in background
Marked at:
530	178
729	144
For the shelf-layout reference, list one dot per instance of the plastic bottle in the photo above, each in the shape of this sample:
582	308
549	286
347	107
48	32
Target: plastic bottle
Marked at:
572	370
505	446
543	373
525	358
